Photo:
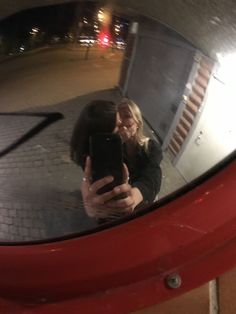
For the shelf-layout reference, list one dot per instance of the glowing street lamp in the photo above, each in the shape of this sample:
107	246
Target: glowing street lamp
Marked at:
117	29
104	39
85	20
34	31
100	15
104	16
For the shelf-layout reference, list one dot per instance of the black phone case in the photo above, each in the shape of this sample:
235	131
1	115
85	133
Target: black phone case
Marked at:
107	159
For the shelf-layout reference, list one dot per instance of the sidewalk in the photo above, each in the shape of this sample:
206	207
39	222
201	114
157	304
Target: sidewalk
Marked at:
55	75
39	195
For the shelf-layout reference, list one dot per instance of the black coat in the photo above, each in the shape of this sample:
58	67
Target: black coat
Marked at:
144	170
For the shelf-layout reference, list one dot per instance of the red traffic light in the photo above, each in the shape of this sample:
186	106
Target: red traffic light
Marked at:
104	39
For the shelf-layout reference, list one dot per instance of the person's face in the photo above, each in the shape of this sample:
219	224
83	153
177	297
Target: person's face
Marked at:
118	123
128	126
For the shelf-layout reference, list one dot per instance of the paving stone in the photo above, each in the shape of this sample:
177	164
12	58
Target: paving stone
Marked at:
4	229
3	212
8	221
12	212
39	183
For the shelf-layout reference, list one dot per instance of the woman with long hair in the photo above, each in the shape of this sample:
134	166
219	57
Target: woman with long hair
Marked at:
142	157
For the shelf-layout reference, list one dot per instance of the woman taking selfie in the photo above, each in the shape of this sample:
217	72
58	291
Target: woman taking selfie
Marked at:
141	156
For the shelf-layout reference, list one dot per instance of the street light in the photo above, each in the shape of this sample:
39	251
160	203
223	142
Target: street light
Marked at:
85	20
34	31
100	15
117	29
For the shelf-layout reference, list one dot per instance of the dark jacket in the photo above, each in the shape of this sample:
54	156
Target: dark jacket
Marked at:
144	170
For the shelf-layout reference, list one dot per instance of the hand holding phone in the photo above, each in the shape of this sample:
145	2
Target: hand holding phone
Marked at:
107	205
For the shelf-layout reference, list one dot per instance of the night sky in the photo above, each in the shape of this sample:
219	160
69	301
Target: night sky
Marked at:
56	20
52	20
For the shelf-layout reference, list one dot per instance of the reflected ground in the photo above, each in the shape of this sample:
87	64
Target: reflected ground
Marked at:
40	196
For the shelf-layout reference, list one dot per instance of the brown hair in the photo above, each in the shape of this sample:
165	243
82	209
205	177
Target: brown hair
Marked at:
99	116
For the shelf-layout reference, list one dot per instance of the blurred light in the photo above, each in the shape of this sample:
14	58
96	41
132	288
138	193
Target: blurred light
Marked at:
34	30
104	39
100	15
117	29
120	44
221	96
227	68
86	41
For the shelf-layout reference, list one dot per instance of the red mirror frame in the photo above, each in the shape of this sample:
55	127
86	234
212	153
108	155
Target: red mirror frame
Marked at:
129	266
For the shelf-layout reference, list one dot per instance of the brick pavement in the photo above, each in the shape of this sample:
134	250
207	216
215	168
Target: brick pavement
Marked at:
40	186
39	194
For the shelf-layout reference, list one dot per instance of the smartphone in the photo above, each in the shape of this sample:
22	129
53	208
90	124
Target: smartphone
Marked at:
107	159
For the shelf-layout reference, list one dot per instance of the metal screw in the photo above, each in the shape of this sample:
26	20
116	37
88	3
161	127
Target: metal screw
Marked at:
173	281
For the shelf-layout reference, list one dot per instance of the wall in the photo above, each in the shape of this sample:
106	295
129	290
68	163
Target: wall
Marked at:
161	66
214	136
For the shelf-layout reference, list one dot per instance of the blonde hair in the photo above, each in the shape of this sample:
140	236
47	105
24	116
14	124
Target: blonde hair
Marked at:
141	139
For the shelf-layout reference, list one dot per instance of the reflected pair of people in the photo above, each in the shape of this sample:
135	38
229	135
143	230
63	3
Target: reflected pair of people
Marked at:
141	156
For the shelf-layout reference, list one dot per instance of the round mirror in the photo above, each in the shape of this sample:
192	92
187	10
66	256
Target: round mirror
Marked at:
158	87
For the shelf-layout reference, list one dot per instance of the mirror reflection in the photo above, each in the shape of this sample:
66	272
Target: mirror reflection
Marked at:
121	165
103	112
